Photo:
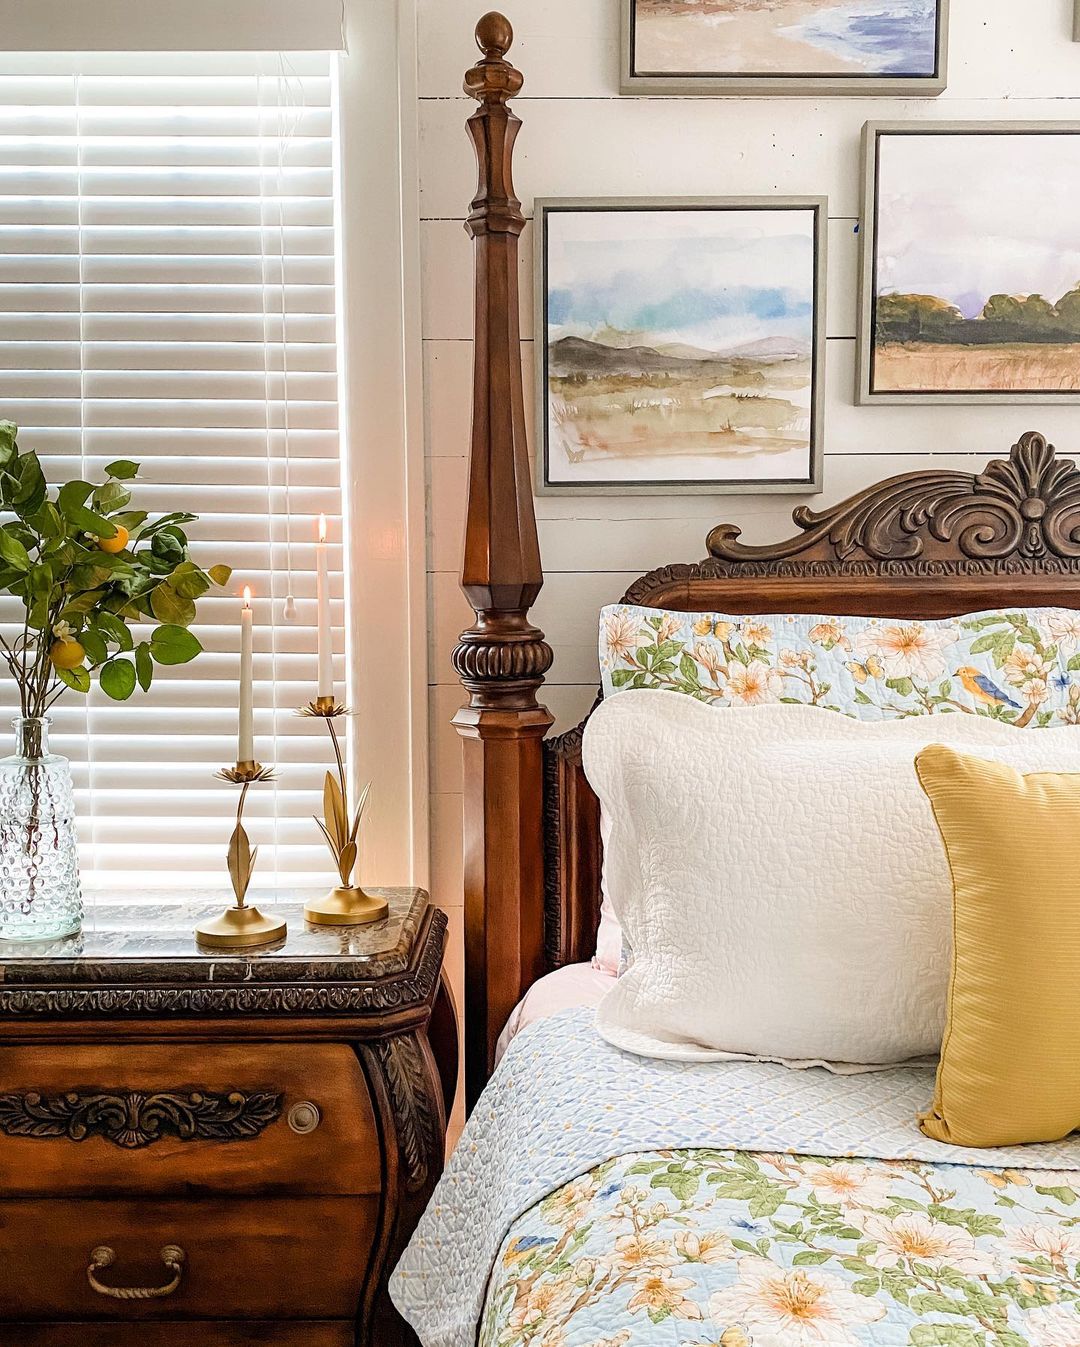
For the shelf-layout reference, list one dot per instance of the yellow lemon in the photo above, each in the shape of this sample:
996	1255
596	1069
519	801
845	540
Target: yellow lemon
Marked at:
66	654
117	542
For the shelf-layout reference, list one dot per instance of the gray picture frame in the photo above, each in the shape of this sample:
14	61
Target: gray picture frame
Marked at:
635	82
865	394
812	483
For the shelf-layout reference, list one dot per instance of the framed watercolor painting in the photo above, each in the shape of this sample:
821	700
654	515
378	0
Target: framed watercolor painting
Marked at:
859	47
680	345
970	283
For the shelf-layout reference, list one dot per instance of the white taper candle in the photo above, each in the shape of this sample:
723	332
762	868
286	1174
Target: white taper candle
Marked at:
245	748
326	640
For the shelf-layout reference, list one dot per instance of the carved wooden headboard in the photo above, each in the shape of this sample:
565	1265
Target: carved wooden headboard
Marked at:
922	544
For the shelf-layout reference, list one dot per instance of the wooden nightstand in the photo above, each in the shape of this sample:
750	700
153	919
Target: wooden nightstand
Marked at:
218	1148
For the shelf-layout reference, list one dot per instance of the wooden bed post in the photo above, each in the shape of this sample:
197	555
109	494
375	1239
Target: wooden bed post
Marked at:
502	658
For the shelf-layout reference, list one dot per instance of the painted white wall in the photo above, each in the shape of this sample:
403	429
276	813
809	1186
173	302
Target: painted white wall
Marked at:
580	138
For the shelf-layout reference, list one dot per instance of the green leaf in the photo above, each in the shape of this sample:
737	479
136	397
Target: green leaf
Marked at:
94	645
144	666
167	547
47	521
110	497
73	495
933	1302
810	1258
904	686
76	679
862	698
171	644
12	551
115	630
72	500
117	679
8	434
171	608
1065	1196
189	581
620	677
30	493
130	519
866	1286
122	468
220	574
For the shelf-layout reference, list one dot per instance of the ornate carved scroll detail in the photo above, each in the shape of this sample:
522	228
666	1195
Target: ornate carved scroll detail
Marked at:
1019	510
398	992
131	1119
405	1069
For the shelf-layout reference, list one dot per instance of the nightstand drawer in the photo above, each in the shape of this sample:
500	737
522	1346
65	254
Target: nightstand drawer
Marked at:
270	1259
143	1119
198	1333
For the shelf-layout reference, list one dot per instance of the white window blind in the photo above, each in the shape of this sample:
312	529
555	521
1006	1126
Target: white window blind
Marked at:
166	25
167	294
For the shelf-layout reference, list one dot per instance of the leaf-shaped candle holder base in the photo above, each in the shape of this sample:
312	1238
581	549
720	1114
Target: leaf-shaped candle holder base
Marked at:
348	904
241	926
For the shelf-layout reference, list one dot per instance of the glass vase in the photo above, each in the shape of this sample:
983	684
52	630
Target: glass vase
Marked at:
40	895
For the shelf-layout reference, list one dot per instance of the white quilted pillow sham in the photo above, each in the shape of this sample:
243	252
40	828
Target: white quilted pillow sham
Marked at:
780	877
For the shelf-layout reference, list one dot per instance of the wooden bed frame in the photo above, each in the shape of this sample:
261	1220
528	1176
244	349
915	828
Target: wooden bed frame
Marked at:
921	544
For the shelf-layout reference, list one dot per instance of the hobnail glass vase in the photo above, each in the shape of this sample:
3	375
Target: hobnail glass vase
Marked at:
40	895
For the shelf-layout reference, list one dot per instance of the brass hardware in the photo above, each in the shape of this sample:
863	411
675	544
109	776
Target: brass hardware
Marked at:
102	1257
346	907
241	927
304	1117
132	1119
238	928
348	904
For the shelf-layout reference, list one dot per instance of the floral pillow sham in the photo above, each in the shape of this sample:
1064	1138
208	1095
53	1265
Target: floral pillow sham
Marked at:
1021	667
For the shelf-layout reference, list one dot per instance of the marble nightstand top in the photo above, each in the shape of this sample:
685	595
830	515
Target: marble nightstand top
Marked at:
141	956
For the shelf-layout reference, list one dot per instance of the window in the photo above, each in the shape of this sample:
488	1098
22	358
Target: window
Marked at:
167	294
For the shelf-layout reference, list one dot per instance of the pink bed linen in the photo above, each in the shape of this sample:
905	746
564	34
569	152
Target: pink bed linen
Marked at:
578	984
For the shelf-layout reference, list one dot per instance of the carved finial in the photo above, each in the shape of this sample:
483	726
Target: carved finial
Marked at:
493	80
494	35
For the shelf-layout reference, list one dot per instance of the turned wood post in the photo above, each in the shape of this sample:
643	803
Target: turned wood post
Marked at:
502	658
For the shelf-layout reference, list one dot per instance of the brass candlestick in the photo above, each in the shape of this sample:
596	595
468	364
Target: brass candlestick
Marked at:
348	904
241	926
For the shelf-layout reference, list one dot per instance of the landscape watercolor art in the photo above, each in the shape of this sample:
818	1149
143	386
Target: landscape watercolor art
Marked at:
680	346
976	264
786	37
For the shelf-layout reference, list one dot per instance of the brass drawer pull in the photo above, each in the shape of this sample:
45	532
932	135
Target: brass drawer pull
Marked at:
172	1256
304	1117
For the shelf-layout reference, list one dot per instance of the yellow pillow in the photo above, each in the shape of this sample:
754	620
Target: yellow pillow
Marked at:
1010	1060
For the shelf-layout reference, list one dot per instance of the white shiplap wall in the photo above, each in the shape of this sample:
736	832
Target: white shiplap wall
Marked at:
1010	60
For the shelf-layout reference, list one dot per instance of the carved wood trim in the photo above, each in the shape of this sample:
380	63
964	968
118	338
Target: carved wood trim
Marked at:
502	658
132	1119
1021	510
406	1071
928	543
399	991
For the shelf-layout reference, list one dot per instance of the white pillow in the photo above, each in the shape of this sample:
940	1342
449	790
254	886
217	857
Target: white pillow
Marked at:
780	877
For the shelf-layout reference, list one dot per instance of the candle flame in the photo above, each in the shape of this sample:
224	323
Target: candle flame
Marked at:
322	528
247	596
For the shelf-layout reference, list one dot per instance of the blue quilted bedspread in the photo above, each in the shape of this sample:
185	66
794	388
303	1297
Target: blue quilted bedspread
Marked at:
598	1199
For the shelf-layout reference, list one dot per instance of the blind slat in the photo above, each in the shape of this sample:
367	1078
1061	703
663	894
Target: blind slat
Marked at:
167	293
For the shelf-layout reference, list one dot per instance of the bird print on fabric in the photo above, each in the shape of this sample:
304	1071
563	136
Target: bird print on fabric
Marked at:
521	1246
983	689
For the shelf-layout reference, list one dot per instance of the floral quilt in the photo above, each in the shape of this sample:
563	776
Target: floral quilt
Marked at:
715	1248
600	1199
1021	666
